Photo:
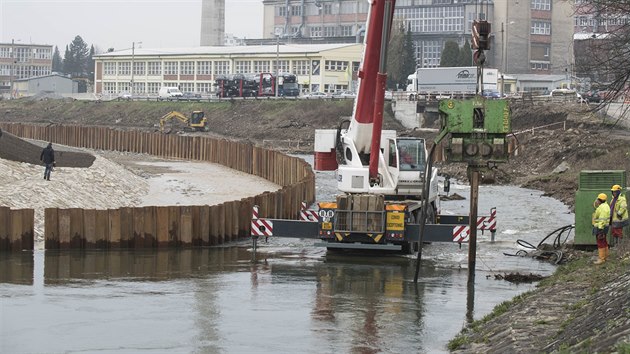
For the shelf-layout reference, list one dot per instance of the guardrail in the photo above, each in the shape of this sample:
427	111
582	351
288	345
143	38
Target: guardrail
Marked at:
173	226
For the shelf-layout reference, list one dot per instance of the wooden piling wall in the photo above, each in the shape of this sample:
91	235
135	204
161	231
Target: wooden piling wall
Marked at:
172	226
16	229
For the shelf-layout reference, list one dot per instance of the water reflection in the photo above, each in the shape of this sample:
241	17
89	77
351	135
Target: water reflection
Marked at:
16	268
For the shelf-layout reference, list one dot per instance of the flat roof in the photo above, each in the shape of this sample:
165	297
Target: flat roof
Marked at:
222	50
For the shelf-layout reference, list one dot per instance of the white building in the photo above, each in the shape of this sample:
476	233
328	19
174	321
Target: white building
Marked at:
53	83
319	67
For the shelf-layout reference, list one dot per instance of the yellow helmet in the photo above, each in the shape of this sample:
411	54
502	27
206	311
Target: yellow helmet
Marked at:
602	196
616	187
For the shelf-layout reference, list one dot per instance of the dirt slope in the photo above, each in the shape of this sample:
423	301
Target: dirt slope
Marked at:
15	149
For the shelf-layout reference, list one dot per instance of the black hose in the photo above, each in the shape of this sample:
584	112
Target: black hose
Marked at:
558	242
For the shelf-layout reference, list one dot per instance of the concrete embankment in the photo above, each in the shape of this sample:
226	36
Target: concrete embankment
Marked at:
582	308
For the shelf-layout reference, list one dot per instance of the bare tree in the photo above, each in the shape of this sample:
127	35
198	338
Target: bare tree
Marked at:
603	52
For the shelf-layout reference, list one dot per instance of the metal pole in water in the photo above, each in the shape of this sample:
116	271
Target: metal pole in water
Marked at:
474	198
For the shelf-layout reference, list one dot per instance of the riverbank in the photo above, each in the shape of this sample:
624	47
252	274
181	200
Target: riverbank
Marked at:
581	308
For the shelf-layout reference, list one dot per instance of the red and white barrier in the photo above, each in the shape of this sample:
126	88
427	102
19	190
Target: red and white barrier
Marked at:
488	222
308	215
260	227
461	233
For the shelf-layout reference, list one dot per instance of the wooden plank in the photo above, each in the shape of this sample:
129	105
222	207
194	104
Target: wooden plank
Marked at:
186	226
114	228
102	229
138	227
126	228
174	226
221	220
214	225
15	235
89	227
235	219
150	227
5	229
51	228
196	226
204	225
77	239
64	228
227	221
162	227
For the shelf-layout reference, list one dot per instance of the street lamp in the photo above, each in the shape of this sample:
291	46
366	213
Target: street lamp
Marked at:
133	55
277	64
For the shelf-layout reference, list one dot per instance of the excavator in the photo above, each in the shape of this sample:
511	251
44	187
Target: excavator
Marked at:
196	122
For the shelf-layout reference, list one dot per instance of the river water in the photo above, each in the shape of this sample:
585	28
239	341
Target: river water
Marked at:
289	297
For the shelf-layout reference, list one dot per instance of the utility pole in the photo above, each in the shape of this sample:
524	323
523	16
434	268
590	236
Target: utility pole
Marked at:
12	68
277	64
133	55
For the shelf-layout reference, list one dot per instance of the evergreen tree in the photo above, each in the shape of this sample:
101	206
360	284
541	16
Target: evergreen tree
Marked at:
90	63
450	54
68	62
409	57
80	54
465	55
394	59
57	62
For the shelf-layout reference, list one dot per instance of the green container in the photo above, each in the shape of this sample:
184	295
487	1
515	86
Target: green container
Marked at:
477	130
591	184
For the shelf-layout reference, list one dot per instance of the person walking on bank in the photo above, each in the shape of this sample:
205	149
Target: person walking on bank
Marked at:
618	214
601	218
48	157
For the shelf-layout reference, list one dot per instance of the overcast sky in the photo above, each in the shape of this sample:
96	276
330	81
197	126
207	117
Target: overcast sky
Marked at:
118	23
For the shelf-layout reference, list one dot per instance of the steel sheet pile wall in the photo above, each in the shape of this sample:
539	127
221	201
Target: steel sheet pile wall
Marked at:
172	226
16	229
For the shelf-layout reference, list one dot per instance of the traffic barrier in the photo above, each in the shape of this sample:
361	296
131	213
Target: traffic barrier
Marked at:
172	226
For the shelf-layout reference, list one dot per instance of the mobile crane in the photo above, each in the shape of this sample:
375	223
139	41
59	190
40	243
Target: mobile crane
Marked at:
196	122
389	185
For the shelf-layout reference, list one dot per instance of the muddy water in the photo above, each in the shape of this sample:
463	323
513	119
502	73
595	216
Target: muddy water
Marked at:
290	297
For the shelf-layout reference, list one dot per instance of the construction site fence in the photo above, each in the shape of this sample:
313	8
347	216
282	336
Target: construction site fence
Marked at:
161	226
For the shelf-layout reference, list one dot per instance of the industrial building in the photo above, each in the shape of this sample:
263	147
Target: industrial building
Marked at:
19	61
53	83
323	67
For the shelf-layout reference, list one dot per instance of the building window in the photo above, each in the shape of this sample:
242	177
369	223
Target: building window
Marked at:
170	68
430	52
541	27
261	66
281	11
187	68
187	86
123	87
109	69
328	9
329	31
155	68
541	5
301	67
336	65
43	53
138	68
283	66
5	70
170	84
316	31
153	88
346	30
242	66
204	67
537	65
204	87
124	68
296	10
139	88
221	67
5	52
109	87
433	19
23	54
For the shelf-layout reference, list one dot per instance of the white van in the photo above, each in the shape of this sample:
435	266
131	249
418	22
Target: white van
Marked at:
169	93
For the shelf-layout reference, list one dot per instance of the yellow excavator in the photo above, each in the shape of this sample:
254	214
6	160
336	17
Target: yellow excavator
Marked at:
196	122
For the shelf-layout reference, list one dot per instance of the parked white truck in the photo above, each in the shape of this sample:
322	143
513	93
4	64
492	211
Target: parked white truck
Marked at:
450	80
